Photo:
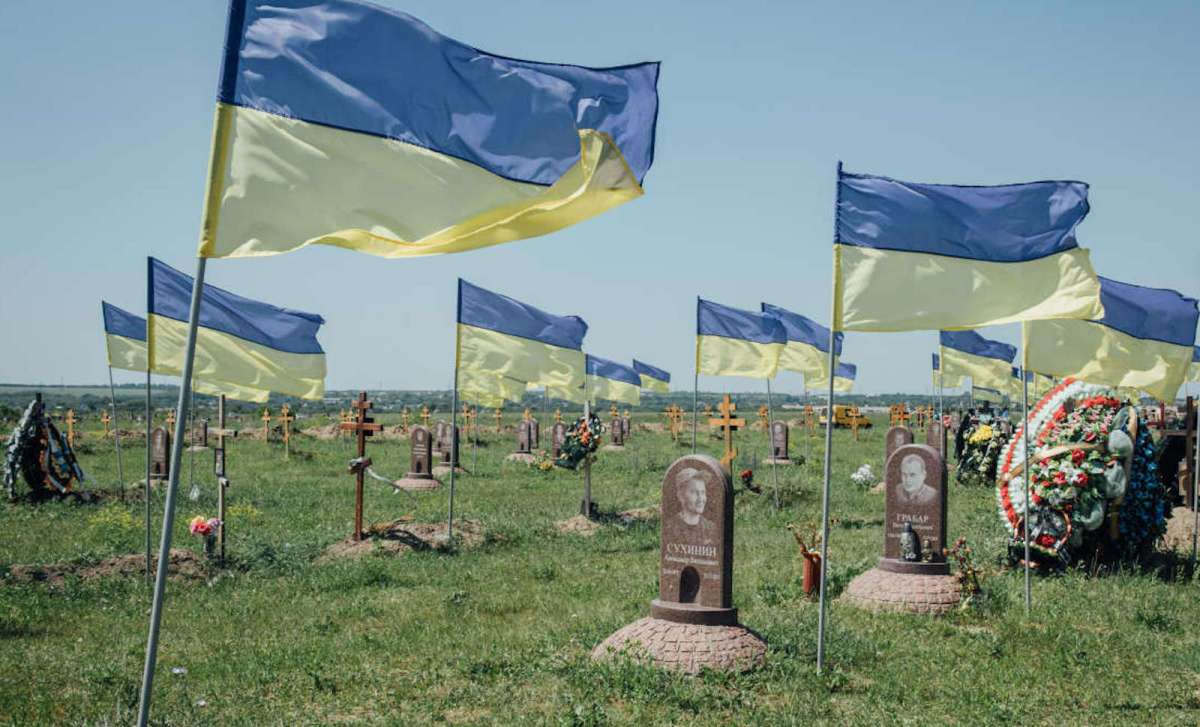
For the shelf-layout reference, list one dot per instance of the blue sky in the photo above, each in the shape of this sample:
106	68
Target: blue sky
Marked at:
108	116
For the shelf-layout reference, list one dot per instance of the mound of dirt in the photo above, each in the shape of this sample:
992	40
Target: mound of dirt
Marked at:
1179	531
403	536
183	566
652	427
325	433
580	525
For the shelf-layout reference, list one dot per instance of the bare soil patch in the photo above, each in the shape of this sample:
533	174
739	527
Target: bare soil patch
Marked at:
403	536
183	566
580	525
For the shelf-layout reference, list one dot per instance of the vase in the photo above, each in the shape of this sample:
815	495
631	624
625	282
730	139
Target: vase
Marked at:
210	545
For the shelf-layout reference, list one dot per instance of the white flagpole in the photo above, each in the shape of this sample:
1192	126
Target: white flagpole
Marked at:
770	445
146	490
1028	463
164	548
453	444
833	319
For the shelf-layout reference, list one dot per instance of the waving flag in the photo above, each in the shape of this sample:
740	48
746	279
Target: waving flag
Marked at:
930	256
240	342
487	388
1194	370
612	381
343	123
1145	341
844	375
652	378
983	393
945	378
1015	390
125	339
807	348
735	342
987	362
499	335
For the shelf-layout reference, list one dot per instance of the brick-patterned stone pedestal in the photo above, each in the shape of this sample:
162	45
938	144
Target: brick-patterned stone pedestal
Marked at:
686	648
417	483
881	590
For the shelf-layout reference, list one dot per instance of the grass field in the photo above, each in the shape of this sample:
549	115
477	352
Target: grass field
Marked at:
500	633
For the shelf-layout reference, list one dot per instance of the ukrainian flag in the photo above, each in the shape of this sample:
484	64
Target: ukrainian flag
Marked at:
735	342
343	123
239	342
125	339
1015	390
981	393
987	362
612	381
942	378
1194	369
1144	341
843	379
652	378
807	348
913	256
499	335
476	385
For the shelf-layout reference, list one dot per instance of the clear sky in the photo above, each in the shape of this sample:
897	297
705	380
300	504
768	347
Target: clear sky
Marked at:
108	114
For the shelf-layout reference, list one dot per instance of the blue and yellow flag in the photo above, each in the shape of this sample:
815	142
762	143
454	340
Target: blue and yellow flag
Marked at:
983	393
943	378
913	256
611	381
735	342
487	389
1015	390
844	375
987	362
1144	341
652	377
241	342
502	336
1194	370
125	340
807	348
344	123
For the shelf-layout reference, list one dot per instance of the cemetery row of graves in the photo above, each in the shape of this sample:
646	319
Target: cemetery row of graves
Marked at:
313	579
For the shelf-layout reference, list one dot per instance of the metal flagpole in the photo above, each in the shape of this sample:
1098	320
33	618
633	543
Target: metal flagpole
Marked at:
193	491
149	416
474	439
164	548
453	446
1195	486
770	445
112	392
828	447
695	398
1028	463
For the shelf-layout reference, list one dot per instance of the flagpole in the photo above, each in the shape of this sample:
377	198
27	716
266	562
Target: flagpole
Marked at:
1028	464
112	392
164	551
833	319
695	398
149	416
1195	485
453	448
770	437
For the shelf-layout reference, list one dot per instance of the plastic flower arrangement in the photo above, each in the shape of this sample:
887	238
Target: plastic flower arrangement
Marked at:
982	433
863	476
1093	483
980	455
203	526
582	440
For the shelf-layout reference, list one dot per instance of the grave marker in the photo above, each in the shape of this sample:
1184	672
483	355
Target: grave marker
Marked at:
285	416
935	436
424	416
70	420
219	464
693	624
266	420
779	443
499	417
160	454
897	437
535	433
558	437
105	419
362	427
728	424
616	434
420	462
448	448
404	420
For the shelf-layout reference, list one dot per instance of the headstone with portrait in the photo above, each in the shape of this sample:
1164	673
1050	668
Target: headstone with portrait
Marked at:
779	443
693	624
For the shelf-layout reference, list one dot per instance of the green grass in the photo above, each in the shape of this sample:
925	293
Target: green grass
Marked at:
500	634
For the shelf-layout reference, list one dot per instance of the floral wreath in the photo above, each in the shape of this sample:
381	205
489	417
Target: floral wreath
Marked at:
582	440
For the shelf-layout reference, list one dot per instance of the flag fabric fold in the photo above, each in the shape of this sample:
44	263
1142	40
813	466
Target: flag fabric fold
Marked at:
843	379
911	256
242	343
487	388
344	123
1194	369
735	342
652	377
1145	341
611	381
987	362
499	335
983	393
807	347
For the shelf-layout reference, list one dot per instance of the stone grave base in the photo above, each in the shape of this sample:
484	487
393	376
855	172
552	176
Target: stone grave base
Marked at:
523	457
444	469
779	461
417	483
196	448
613	448
686	648
880	590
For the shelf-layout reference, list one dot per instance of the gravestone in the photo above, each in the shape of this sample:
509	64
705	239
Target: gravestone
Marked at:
896	437
524	451
558	437
160	454
692	624
779	444
453	435
913	574
535	434
420	462
616	435
441	441
627	425
935	436
199	436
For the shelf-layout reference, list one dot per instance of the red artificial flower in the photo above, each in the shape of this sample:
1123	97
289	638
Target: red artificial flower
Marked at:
1060	478
1077	456
1081	479
1089	437
1045	540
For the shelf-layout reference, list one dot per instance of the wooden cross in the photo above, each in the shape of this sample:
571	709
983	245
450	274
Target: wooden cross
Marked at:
219	469
404	421
266	420
285	416
729	425
499	418
171	421
424	415
558	416
763	415
70	428
363	427
810	420
612	411
343	417
466	414
526	415
105	419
